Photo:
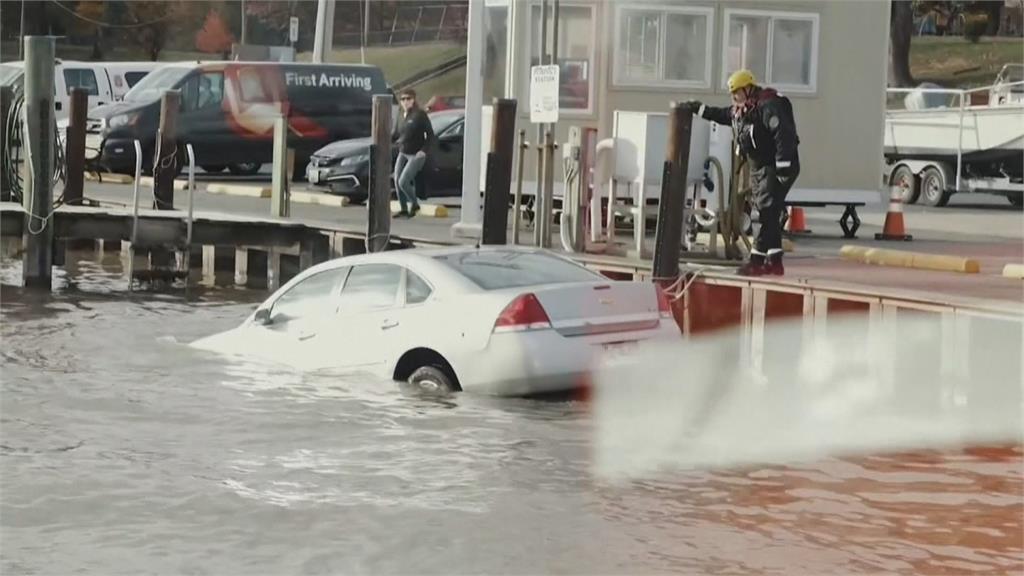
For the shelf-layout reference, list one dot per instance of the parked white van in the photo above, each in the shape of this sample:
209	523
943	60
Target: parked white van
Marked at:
105	82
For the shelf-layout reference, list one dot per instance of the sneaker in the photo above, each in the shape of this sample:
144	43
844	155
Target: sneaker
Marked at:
773	265
414	211
754	267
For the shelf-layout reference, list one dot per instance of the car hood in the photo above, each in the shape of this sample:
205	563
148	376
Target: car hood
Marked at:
345	148
114	108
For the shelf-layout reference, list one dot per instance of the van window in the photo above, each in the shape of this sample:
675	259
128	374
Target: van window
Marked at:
203	91
153	85
132	78
81	78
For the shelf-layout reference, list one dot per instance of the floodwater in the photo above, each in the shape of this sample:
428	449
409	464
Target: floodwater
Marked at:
124	452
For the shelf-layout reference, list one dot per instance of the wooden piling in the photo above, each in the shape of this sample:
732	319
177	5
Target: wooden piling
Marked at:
280	203
499	183
37	261
379	203
668	235
165	155
74	150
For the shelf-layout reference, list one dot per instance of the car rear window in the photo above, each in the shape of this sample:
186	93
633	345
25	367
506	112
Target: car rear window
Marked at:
499	269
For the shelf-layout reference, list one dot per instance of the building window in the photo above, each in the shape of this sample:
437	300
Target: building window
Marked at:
663	46
780	48
575	54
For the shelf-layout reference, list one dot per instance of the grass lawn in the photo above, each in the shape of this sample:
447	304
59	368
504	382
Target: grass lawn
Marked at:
957	63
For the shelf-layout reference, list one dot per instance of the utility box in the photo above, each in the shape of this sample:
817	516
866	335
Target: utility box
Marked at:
641	142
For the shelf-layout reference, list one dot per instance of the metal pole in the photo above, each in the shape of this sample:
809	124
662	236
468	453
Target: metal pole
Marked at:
21	33
279	201
366	31
244	37
538	199
960	145
324	34
471	216
517	203
37	259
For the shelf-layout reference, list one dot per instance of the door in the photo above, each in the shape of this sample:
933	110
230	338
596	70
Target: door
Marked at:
298	326
202	122
368	314
96	86
447	174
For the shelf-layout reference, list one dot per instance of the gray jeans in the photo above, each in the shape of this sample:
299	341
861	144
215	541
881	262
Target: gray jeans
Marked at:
407	167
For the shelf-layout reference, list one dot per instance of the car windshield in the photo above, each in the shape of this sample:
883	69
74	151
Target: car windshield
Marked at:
442	120
9	75
155	83
498	269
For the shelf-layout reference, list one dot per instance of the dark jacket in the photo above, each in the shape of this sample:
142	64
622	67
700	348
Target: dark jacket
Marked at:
765	129
413	132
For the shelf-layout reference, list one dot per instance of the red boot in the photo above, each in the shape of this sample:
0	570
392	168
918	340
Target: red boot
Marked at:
756	266
773	264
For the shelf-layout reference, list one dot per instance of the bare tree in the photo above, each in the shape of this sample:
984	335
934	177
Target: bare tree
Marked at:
901	28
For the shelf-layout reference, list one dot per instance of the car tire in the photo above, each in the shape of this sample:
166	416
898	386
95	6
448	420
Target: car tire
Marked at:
431	380
933	187
214	168
245	168
910	187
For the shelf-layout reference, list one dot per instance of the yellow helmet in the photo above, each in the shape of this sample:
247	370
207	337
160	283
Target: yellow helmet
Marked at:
741	79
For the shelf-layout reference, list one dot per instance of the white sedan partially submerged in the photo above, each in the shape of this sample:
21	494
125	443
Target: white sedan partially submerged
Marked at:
500	320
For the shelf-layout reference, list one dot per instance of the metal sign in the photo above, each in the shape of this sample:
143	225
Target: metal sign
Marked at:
544	94
293	29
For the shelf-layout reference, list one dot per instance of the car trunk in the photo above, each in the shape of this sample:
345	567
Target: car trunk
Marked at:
592	309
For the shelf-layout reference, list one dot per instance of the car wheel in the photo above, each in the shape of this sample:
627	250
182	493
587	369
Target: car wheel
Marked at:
214	168
431	380
933	187
245	168
909	188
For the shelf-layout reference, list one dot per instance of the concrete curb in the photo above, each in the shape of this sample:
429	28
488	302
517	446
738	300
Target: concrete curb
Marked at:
428	210
917	260
239	190
319	199
108	178
178	184
1015	271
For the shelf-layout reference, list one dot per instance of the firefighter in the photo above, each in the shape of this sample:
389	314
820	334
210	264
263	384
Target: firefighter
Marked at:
765	132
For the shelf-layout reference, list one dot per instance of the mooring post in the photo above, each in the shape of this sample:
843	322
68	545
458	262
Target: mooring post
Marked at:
165	155
499	173
74	150
37	260
669	232
378	229
6	99
280	202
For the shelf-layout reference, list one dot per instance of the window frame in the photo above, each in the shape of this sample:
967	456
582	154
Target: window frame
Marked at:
397	302
619	80
814	18
594	64
334	295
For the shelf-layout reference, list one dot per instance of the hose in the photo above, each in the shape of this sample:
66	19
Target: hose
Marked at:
10	158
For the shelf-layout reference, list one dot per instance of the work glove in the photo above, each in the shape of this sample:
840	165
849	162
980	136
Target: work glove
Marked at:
693	105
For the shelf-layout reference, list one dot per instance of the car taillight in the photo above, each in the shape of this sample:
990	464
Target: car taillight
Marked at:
523	313
664	304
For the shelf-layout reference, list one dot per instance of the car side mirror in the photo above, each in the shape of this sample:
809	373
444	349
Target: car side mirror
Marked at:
262	317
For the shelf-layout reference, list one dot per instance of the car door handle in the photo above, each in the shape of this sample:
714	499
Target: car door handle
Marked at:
388	324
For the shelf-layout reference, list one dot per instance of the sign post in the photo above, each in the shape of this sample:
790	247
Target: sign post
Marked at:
293	30
544	110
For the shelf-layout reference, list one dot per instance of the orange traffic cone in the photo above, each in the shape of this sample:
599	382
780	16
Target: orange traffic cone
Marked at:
893	228
797	223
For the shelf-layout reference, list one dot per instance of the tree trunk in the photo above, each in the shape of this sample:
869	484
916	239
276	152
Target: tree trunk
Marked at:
901	29
97	45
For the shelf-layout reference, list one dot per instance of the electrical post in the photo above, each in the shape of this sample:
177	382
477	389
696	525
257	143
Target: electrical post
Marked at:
37	259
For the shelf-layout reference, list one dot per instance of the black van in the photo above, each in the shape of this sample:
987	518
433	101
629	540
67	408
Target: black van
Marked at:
228	110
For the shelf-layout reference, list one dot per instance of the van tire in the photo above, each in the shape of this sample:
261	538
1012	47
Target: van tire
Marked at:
214	168
245	168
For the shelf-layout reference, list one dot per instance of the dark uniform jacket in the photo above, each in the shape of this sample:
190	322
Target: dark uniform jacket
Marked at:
765	129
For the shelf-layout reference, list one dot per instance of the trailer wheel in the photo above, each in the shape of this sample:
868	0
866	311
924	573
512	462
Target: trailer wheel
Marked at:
1017	200
910	187
933	187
